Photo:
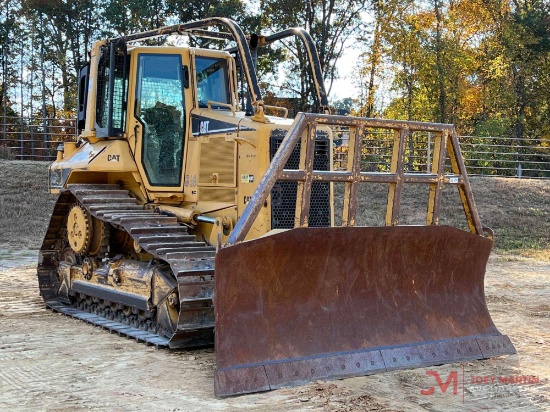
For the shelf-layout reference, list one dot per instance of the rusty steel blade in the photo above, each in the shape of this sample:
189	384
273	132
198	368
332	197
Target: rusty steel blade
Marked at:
320	303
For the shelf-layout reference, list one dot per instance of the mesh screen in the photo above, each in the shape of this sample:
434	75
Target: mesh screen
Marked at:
120	85
102	88
283	195
119	93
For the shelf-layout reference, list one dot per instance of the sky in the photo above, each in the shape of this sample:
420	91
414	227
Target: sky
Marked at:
344	85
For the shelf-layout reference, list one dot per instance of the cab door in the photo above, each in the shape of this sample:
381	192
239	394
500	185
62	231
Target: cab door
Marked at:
160	119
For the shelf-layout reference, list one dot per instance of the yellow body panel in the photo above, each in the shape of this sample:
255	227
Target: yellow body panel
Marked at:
225	152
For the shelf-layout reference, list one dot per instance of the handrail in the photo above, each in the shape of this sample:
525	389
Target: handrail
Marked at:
209	104
279	108
304	130
235	33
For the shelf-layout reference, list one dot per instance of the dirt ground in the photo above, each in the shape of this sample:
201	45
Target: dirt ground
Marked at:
49	362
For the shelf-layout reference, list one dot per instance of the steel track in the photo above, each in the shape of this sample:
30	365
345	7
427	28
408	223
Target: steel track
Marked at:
114	327
191	261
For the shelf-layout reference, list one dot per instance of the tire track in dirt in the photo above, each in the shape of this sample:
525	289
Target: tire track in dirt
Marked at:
53	363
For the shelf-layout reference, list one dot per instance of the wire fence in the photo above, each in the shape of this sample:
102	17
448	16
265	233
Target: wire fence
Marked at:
32	138
483	156
37	139
504	156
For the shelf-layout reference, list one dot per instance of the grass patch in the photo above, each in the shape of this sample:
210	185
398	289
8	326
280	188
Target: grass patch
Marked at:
518	210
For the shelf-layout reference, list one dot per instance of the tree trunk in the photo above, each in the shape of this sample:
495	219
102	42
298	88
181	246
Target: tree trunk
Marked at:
521	103
374	63
439	63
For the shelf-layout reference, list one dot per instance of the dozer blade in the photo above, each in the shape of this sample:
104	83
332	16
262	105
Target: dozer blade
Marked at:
324	303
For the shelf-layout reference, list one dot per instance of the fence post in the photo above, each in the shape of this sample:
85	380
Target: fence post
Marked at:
429	152
31	129
21	138
519	171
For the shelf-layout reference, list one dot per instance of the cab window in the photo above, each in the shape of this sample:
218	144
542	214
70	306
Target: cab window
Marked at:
212	81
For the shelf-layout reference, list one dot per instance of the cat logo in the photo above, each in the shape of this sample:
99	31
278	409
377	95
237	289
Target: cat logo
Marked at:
204	126
113	158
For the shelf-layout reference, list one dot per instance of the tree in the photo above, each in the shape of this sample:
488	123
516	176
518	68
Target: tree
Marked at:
9	28
131	16
373	57
331	24
67	29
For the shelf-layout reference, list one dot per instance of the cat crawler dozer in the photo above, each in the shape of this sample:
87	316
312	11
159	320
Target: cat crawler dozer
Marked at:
189	216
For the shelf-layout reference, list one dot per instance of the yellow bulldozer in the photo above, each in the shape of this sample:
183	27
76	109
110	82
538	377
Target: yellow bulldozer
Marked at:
189	216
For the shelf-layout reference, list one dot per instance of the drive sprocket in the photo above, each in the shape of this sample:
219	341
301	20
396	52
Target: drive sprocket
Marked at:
79	229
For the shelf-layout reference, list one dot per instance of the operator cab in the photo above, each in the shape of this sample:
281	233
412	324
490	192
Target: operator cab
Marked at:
153	96
169	84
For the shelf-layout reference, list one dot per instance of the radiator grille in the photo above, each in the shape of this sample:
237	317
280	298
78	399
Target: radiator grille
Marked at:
283	195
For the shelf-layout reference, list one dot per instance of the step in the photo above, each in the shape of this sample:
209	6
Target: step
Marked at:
114	206
166	245
192	268
196	318
191	255
160	230
57	219
88	200
109	193
110	212
191	327
198	277
116	217
80	186
165	251
196	300
162	252
149	220
145	240
196	291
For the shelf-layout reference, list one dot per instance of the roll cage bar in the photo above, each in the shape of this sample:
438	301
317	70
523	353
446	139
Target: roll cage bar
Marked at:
232	31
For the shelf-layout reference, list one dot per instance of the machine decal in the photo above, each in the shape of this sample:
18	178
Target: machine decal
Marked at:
201	125
247	178
190	181
204	126
58	177
84	154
